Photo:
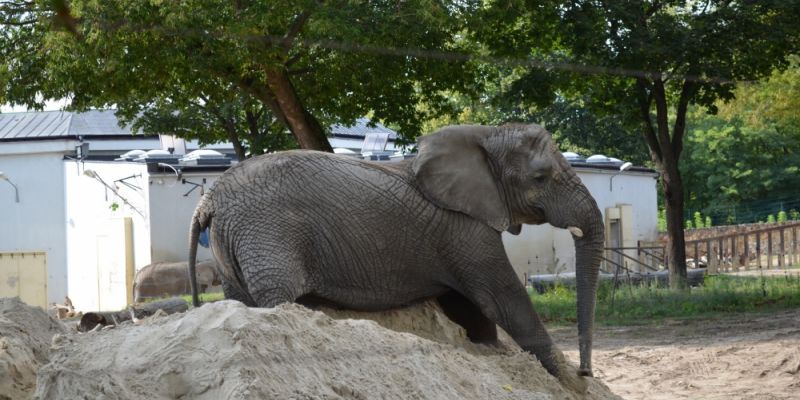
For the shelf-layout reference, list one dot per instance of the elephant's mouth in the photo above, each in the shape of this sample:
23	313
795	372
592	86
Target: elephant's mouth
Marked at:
534	216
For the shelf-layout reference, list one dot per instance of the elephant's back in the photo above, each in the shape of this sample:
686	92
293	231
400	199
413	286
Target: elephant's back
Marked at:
315	196
301	177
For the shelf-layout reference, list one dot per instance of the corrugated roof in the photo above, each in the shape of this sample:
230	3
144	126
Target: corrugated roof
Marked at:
43	124
360	129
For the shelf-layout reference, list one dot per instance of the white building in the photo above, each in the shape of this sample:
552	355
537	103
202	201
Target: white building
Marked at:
41	189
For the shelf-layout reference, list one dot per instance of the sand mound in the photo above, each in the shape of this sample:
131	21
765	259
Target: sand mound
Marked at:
226	350
25	334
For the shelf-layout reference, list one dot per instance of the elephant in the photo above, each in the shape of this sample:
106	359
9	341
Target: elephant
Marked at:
322	229
164	279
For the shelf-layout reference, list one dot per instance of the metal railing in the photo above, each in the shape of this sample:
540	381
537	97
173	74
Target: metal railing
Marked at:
648	259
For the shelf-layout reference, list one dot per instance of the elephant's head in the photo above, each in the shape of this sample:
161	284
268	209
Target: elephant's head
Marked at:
512	175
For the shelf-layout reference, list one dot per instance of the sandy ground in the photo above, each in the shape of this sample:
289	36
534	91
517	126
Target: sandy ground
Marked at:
225	350
736	357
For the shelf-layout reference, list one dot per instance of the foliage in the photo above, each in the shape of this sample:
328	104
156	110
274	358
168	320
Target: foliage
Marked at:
662	220
698	220
648	303
309	63
739	169
782	217
647	61
769	103
688	224
770	219
708	222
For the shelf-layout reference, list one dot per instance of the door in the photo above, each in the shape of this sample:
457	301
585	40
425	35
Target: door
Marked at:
24	275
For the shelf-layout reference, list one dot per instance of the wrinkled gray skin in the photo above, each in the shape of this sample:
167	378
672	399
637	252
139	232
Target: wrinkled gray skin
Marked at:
318	228
170	279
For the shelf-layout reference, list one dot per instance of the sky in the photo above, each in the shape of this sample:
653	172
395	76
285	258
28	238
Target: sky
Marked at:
49	105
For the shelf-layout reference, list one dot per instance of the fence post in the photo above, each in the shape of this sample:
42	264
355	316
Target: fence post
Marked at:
758	248
734	254
769	249
713	267
746	251
794	245
781	260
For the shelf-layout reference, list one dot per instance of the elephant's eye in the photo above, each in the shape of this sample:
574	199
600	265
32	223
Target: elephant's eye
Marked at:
541	170
540	177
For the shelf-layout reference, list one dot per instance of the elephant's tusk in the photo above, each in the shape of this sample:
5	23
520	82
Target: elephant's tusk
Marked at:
575	231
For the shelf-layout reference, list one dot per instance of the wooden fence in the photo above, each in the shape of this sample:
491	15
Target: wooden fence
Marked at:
772	247
746	247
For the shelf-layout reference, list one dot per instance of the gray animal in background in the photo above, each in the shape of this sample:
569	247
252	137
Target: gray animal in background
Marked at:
169	279
318	228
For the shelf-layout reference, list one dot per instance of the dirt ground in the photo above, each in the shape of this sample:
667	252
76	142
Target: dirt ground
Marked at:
746	356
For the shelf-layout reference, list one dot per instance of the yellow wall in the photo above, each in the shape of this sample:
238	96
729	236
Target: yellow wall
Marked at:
24	274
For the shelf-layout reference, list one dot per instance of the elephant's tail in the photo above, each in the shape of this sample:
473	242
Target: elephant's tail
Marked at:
200	220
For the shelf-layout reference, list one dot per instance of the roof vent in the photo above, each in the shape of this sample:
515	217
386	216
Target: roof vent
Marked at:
573	157
158	156
205	157
598	159
344	151
130	156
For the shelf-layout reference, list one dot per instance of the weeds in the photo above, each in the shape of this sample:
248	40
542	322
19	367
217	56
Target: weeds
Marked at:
649	303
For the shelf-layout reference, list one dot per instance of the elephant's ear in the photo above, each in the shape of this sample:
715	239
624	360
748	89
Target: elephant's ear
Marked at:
453	171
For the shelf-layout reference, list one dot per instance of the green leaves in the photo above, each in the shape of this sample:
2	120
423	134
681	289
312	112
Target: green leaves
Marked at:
344	59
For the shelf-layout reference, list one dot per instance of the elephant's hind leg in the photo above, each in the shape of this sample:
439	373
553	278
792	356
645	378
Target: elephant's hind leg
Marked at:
273	277
462	311
233	293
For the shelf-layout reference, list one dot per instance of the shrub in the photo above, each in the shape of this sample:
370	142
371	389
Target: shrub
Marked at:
698	220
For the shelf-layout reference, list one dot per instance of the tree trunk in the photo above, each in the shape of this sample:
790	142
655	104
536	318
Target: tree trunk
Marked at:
304	126
170	306
676	245
233	136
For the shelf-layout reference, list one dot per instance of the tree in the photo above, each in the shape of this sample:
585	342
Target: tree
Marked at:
650	60
231	116
310	63
738	171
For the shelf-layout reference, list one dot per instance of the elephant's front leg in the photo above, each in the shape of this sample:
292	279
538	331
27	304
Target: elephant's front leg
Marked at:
491	284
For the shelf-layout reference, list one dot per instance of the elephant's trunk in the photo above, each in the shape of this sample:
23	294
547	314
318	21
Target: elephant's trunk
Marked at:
581	216
588	252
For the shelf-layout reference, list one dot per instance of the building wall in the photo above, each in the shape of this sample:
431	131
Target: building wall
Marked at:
95	239
37	222
544	249
171	213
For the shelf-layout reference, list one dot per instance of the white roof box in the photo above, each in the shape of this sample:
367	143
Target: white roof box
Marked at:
157	156
573	157
130	156
205	157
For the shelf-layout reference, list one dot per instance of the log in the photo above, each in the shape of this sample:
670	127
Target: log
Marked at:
91	320
541	283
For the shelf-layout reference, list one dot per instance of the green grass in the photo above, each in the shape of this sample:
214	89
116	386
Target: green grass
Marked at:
204	298
649	304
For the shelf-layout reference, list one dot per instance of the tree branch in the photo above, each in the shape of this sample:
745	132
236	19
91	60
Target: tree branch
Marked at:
687	91
662	117
294	30
645	100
